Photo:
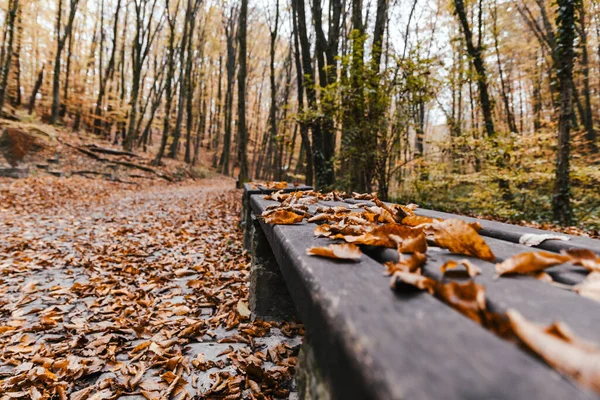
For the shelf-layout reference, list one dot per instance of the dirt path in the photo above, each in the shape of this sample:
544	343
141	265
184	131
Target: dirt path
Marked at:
106	292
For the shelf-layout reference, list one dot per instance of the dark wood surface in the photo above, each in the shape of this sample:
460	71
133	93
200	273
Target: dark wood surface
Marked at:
374	343
512	233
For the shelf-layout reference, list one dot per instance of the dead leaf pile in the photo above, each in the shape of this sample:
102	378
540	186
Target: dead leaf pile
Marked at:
108	292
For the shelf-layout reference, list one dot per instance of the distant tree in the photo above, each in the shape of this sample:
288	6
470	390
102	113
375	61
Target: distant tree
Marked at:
565	30
62	34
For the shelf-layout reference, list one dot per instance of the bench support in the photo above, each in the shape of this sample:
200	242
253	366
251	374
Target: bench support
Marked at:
269	297
309	377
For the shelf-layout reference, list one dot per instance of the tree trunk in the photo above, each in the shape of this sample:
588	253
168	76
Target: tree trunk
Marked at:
565	22
13	6
60	45
588	118
475	53
242	133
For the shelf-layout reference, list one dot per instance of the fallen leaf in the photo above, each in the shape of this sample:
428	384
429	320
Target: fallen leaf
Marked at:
242	309
380	236
532	239
414	279
337	251
563	351
472	269
584	257
410	244
590	287
459	237
283	217
467	298
525	263
407	264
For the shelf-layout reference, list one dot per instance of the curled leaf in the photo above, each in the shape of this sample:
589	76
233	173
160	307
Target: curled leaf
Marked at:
407	264
525	263
380	235
531	239
560	348
586	258
414	279
461	238
283	217
590	287
337	251
410	244
472	269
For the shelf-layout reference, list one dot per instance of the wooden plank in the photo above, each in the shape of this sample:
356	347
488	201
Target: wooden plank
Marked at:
539	301
512	233
374	343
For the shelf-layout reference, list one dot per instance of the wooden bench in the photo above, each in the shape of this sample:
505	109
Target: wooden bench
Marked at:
365	341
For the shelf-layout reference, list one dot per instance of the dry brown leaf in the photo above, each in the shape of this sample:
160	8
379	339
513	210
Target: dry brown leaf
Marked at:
590	287
407	264
525	263
283	217
411	244
416	220
584	257
467	298
414	279
380	235
461	238
560	349
242	309
472	269
337	251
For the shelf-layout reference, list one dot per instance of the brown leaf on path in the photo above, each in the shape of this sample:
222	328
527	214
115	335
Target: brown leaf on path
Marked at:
461	238
283	217
337	251
525	263
472	269
561	349
584	257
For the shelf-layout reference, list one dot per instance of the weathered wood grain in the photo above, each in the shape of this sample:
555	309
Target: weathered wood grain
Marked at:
374	343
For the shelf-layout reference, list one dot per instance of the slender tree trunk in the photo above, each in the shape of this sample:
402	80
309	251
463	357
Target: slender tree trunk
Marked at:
13	6
588	118
475	53
242	133
230	66
565	22
36	89
60	45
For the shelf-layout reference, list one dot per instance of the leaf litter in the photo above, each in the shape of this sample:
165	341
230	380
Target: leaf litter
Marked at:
108	292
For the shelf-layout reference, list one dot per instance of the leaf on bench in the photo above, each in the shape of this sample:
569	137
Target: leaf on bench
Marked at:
282	217
337	251
410	244
586	258
406	264
461	238
560	348
472	269
380	236
525	263
531	239
590	287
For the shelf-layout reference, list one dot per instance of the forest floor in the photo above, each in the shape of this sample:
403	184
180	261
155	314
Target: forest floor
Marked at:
113	291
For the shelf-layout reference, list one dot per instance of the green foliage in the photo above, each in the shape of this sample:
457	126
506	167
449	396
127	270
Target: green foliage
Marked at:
456	186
